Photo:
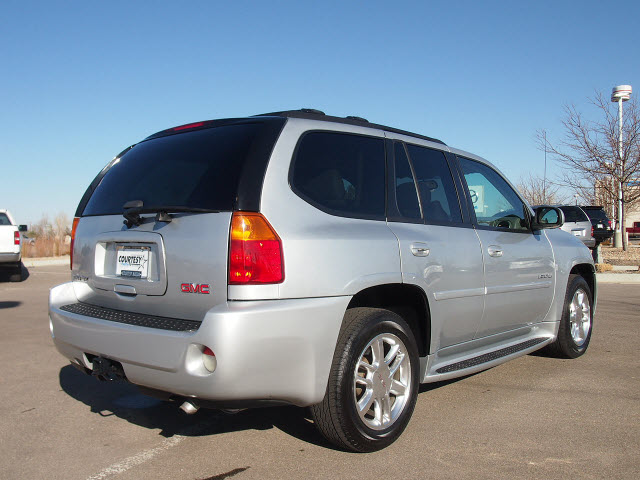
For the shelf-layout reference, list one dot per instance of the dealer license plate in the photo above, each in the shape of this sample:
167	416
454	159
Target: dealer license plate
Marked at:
132	262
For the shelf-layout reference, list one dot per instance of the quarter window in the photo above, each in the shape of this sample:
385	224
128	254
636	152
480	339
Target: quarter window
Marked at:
495	203
342	174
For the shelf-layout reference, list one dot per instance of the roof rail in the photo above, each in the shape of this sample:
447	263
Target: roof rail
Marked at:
313	114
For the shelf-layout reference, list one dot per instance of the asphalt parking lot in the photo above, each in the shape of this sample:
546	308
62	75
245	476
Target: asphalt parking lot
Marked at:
533	417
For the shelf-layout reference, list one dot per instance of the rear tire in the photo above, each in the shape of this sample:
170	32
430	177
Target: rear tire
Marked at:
373	382
574	333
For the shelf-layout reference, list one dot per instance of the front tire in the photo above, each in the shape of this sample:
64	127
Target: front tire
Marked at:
574	333
373	382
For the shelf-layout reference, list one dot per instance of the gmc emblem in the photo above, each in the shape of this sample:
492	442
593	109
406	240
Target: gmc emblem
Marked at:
195	288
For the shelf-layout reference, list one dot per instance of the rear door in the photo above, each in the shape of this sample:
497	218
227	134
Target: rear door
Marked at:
175	268
440	252
518	263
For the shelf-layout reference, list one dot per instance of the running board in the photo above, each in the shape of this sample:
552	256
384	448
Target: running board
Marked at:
489	357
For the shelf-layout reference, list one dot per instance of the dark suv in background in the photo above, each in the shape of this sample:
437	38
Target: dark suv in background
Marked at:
600	223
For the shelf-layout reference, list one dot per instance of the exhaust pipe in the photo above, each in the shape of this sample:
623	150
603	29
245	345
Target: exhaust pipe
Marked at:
190	407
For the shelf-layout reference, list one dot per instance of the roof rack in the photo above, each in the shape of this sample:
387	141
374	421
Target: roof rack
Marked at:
313	114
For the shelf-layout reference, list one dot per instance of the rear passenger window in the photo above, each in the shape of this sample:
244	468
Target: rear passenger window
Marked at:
406	196
342	174
435	185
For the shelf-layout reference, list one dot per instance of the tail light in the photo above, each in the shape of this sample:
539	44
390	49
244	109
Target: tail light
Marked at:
16	238
592	231
609	222
73	237
255	251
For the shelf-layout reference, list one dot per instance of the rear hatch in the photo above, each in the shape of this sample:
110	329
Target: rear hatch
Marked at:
170	260
576	222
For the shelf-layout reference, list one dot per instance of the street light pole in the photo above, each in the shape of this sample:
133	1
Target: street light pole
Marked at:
620	94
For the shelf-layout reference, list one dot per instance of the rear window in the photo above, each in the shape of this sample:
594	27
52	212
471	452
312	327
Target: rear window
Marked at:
342	174
596	214
4	220
573	214
198	169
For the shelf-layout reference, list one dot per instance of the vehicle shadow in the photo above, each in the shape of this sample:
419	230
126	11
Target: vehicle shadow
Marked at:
5	273
125	401
9	304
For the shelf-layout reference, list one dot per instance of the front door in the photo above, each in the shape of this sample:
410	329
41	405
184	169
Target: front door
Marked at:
518	263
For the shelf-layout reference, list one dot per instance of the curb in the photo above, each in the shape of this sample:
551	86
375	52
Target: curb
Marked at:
42	262
622	278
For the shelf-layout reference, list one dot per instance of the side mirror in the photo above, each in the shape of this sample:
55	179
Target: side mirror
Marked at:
547	217
22	228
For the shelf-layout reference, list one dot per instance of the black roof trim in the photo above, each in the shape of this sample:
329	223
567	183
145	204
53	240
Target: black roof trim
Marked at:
311	114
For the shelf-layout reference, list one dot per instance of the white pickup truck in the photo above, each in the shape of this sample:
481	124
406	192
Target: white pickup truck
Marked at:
11	245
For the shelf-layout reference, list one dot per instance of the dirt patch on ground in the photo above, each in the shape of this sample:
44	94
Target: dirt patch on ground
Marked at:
617	256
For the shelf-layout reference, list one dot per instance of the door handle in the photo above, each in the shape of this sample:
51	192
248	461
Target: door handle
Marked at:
420	249
495	251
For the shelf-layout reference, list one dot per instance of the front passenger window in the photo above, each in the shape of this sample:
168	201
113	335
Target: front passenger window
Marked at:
495	203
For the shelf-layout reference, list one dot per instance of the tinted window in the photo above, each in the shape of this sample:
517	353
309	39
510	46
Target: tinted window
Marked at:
597	214
197	169
406	196
435	184
4	220
495	203
341	173
573	214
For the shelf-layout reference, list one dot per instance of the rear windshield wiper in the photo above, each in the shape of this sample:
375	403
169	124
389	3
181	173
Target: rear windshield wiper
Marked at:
134	208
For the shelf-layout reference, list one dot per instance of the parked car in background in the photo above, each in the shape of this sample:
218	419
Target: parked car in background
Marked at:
577	223
601	228
11	245
27	240
635	230
299	258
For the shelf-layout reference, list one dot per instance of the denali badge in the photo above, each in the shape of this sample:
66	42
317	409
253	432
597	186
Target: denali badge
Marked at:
195	288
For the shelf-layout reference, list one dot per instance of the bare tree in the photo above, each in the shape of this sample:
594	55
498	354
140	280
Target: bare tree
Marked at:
589	154
538	192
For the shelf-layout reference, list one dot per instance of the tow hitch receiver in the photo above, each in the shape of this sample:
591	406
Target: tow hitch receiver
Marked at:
107	370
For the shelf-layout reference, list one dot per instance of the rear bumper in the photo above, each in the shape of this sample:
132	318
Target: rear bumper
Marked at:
10	257
602	235
273	350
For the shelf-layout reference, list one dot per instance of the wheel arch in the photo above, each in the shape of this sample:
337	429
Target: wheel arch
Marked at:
587	271
408	301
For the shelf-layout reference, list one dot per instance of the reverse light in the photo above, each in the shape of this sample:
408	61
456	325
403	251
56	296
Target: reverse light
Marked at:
16	238
209	359
74	226
255	251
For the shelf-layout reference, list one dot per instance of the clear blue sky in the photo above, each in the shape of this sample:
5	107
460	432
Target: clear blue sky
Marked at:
82	80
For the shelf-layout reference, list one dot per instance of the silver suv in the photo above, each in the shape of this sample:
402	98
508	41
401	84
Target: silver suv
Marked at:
577	223
298	258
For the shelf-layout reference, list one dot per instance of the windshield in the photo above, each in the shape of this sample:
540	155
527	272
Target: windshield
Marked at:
196	170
